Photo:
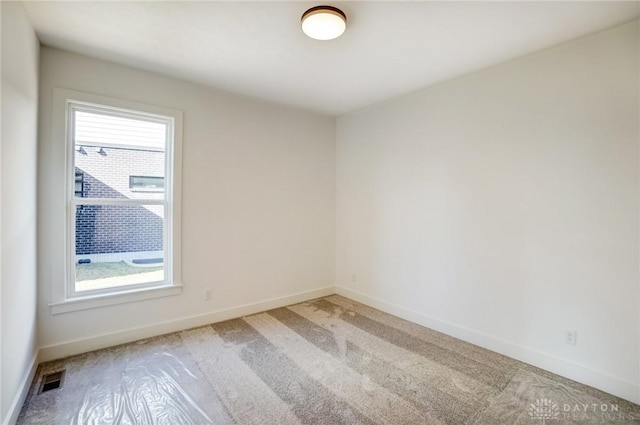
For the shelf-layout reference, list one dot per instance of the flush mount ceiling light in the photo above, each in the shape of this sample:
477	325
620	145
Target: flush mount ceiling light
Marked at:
324	22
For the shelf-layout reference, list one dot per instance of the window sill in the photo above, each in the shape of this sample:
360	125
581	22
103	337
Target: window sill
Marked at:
113	298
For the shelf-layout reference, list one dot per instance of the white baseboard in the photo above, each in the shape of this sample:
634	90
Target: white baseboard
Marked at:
602	381
71	348
18	401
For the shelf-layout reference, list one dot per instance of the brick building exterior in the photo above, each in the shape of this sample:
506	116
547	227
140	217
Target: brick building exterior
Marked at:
119	173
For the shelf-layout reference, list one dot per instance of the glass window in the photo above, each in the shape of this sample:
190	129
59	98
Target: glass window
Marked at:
121	233
146	184
79	183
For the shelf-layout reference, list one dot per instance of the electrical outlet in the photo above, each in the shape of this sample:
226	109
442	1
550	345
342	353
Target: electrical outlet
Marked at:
571	337
208	295
354	278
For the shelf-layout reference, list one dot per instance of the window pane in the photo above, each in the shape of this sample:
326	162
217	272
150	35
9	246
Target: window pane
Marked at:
110	150
118	245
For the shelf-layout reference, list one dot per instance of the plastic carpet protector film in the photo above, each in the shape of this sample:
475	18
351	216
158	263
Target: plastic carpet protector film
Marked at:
151	391
151	382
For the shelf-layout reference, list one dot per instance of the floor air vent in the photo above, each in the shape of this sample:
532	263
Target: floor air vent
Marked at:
51	381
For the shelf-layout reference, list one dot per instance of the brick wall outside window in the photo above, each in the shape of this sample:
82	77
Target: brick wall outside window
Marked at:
104	229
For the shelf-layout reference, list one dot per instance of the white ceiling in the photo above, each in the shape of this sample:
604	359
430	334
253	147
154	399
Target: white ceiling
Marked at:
257	48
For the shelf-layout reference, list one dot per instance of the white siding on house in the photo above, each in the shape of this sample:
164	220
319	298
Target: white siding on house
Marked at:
107	130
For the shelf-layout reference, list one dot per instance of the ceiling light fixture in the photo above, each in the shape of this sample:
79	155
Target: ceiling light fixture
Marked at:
324	22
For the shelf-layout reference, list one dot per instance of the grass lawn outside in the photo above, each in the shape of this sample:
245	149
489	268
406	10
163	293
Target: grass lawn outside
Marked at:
109	275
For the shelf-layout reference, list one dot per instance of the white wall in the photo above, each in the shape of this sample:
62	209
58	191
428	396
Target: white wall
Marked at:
20	49
502	208
258	210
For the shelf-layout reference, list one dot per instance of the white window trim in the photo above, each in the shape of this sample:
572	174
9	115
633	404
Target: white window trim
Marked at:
63	297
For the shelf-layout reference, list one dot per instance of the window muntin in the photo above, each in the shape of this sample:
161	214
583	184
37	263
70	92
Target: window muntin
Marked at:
121	237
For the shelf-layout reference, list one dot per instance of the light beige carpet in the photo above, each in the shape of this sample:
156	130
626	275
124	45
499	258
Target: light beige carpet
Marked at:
328	361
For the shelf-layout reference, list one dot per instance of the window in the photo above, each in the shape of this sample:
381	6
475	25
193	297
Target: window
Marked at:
146	184
123	217
79	183
116	231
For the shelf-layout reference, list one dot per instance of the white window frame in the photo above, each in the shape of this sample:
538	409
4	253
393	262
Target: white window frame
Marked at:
64	296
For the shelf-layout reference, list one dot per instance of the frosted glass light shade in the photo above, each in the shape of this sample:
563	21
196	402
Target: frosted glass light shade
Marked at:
324	22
